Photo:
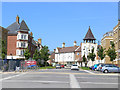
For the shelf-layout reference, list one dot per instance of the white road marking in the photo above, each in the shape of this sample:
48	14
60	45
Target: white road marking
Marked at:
29	81
73	82
88	71
97	83
12	76
97	77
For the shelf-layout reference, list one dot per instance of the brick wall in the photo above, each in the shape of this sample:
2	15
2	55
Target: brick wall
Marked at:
11	45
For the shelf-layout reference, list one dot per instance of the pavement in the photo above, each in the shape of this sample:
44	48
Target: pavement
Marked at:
59	78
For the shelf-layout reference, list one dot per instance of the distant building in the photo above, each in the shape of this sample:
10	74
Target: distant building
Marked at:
116	39
3	37
19	39
106	42
112	36
87	46
68	55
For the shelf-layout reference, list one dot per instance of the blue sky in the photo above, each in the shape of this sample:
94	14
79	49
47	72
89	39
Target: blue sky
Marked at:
61	22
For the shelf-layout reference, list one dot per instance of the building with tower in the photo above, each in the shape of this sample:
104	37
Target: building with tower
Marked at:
89	42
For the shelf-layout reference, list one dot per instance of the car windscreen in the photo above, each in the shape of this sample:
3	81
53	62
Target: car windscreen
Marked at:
74	65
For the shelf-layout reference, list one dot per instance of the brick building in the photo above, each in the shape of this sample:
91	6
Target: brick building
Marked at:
19	39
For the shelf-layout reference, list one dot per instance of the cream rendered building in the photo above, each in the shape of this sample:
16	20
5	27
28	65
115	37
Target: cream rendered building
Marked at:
114	36
116	39
105	42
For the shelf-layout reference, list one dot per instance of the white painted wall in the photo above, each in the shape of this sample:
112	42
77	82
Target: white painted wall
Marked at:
85	47
64	57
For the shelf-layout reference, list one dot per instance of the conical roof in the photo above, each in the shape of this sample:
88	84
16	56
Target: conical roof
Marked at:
23	26
89	35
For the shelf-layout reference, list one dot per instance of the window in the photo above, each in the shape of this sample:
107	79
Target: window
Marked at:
17	52
18	36
18	44
25	37
21	36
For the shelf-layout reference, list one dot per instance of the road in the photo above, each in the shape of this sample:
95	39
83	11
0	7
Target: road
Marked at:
59	78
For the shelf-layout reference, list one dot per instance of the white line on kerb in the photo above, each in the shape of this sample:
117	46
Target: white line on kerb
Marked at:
12	76
73	82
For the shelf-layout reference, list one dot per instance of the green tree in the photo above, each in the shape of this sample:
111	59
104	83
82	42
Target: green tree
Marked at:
85	60
101	52
44	55
111	52
4	50
36	55
27	54
92	56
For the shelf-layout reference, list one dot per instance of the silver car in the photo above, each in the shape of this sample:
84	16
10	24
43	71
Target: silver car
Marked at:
110	68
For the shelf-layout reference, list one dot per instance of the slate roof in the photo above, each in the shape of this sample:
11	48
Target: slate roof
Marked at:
13	28
89	35
23	26
68	49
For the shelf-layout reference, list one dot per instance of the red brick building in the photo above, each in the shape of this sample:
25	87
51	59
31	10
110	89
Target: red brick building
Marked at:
19	39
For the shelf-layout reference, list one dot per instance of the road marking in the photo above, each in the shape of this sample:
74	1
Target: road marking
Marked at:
88	71
12	76
97	83
73	82
29	81
98	77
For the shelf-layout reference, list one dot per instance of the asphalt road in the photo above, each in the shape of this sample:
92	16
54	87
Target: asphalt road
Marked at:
59	78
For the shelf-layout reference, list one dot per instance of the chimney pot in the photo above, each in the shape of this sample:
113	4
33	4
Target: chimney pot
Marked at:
17	19
63	45
40	40
75	43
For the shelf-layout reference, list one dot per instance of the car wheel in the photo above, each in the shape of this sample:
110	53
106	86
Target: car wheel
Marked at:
106	71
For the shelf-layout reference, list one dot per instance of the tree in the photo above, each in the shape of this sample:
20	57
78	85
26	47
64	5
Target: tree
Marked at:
4	50
111	52
36	55
101	53
27	54
85	60
44	55
92	55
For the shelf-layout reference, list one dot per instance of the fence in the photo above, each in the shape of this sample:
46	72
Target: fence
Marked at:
11	65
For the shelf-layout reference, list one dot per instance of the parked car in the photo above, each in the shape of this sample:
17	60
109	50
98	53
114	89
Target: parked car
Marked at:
95	67
58	66
74	67
62	66
110	68
99	66
91	67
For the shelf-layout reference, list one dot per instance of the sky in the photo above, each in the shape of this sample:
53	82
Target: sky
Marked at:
58	22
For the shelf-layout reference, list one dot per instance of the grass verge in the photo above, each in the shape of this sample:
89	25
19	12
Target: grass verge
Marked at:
85	68
47	67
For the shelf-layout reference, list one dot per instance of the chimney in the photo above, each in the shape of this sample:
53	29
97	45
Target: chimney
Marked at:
31	33
63	45
17	19
75	43
40	40
54	50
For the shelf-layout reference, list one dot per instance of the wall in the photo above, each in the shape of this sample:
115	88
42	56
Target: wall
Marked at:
11	45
